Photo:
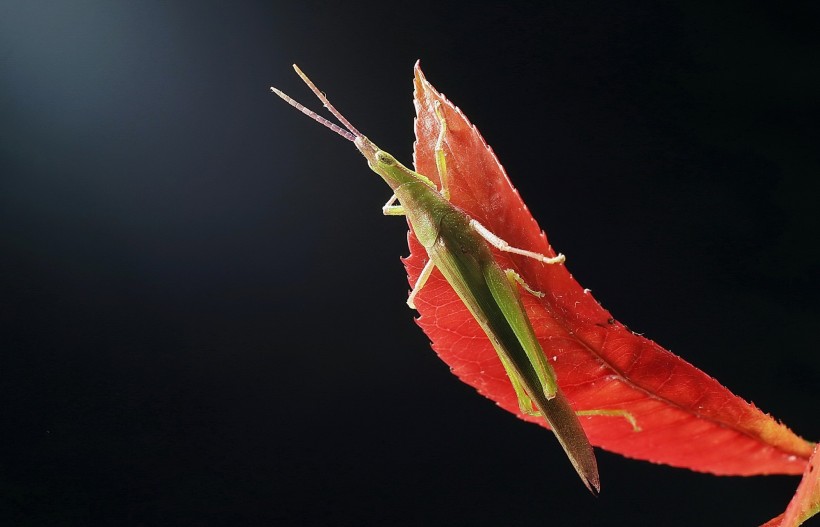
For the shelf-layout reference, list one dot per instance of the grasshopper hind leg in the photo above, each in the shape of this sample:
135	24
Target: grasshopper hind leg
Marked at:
612	413
527	407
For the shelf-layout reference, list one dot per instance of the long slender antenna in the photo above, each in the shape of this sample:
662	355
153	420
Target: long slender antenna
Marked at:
326	103
313	115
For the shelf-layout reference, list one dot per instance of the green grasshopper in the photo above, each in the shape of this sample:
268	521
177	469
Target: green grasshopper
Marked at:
461	249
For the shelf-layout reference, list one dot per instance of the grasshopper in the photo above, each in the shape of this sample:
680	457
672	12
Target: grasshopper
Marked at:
461	249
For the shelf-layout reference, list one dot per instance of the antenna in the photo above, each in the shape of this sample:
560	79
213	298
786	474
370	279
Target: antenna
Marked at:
313	115
326	103
350	135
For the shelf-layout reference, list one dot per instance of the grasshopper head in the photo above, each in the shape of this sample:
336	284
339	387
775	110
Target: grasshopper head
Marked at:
368	149
384	164
377	158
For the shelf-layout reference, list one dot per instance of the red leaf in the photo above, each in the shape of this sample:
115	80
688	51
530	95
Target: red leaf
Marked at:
806	501
687	418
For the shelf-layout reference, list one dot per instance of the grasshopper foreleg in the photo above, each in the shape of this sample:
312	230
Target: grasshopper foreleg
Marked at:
391	209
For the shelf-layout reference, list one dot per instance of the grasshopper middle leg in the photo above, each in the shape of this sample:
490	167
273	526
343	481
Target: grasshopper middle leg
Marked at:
492	239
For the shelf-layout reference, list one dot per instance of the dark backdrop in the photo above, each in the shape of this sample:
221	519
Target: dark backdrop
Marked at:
203	308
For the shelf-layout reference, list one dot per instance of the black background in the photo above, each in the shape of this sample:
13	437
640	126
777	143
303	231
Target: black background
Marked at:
203	308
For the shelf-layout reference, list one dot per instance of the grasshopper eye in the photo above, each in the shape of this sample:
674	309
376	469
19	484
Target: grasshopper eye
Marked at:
384	158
